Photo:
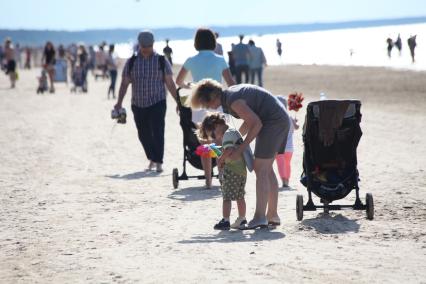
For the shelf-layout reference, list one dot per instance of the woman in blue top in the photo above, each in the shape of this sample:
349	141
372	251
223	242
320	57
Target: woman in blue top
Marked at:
205	65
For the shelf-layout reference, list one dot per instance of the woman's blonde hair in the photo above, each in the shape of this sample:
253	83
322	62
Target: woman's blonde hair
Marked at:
205	91
209	124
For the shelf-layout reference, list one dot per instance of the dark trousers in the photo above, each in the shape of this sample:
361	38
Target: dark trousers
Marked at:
239	70
113	77
150	122
258	72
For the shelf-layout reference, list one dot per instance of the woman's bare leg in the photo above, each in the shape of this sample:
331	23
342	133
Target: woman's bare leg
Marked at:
51	73
12	77
272	196
262	168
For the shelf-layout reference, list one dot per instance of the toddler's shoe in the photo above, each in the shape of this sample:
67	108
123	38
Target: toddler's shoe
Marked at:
222	225
240	223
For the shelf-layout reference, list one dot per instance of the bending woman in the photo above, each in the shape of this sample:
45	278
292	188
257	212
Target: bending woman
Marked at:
264	119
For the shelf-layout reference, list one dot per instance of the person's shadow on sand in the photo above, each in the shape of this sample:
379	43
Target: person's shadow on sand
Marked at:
236	236
329	224
195	193
135	175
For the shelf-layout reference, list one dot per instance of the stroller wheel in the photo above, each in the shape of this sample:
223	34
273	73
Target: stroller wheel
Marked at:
299	207
370	206
175	176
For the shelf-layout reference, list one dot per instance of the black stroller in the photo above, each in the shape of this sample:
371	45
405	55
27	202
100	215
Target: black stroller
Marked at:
331	135
190	144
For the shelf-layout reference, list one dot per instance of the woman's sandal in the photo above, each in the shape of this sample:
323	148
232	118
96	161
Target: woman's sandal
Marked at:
256	224
274	221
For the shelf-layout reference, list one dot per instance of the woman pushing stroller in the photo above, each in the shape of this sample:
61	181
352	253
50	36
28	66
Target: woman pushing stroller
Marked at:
205	64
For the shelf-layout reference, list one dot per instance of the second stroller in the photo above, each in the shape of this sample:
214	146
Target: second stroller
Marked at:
331	135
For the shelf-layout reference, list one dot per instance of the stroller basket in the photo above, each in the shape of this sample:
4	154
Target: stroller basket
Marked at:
332	191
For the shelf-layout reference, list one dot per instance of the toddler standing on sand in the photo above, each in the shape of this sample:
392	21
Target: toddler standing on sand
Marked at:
42	83
234	172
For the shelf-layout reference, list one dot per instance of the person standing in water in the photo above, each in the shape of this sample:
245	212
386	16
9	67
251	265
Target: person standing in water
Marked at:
279	47
168	51
398	44
412	45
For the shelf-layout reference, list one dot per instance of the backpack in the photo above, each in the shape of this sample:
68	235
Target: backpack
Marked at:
132	62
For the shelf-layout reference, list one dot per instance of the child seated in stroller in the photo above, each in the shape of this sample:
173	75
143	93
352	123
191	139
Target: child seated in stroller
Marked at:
234	173
42	83
79	79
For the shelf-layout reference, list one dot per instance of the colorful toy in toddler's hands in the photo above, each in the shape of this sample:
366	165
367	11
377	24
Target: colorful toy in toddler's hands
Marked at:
295	101
208	151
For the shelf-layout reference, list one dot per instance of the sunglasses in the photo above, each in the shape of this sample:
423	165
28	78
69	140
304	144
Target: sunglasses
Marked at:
146	46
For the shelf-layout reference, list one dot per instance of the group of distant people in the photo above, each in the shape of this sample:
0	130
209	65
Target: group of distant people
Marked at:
56	62
248	60
81	60
411	42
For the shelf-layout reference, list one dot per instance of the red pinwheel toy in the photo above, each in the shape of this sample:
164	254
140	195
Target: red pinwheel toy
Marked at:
295	101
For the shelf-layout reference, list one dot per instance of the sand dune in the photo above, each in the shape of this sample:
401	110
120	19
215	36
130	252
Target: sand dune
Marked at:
77	205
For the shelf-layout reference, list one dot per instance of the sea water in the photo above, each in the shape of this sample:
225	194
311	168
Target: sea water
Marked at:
347	47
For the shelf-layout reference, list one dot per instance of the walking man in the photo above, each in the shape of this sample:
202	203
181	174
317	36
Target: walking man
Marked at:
279	47
168	51
149	73
412	45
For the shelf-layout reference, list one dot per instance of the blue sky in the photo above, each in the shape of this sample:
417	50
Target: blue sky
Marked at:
100	14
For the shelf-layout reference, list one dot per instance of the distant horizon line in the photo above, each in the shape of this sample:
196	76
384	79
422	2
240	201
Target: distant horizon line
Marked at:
39	37
414	19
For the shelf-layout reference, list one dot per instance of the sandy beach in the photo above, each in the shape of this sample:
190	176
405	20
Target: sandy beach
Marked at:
77	205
